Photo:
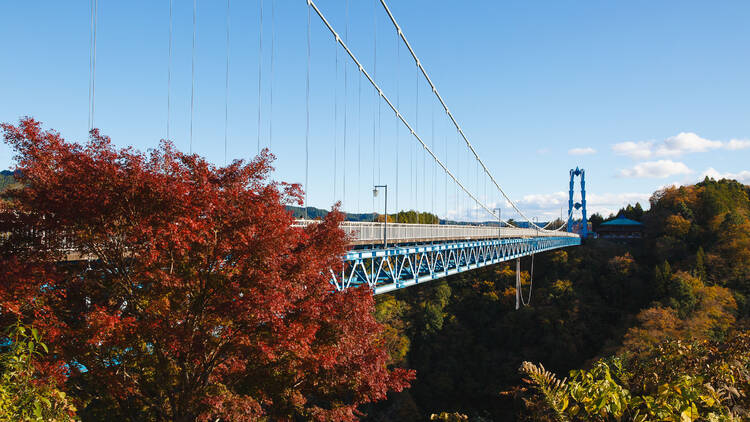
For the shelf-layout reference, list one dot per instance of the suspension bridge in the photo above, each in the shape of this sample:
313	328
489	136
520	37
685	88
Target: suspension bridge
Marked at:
422	164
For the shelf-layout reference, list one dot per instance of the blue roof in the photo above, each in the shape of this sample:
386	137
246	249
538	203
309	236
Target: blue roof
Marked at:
621	221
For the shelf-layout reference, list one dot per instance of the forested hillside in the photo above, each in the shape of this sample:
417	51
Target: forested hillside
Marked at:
666	315
6	179
655	329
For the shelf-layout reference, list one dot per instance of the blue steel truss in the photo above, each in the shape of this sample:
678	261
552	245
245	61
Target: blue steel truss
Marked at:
396	267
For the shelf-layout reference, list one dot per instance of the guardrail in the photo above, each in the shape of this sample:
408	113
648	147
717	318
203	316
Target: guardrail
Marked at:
363	233
371	233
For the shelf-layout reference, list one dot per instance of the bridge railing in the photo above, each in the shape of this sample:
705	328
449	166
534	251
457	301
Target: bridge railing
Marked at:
362	233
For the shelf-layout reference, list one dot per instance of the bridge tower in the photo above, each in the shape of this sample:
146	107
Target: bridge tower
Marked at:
578	205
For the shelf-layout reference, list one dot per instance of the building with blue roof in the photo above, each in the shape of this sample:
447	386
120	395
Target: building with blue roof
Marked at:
620	228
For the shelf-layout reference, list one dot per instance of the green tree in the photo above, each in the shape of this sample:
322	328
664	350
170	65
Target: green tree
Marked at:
672	381
25	394
596	219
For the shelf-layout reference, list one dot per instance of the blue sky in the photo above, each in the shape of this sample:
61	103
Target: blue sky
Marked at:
641	94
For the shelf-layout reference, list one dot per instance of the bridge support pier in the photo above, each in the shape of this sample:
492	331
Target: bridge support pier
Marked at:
518	283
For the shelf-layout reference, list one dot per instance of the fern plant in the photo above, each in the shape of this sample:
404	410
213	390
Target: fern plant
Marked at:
554	392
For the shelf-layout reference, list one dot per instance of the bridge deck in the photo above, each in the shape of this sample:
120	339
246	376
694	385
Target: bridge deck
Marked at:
369	233
418	253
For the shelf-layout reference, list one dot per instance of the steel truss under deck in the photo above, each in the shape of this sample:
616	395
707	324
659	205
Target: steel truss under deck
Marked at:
396	267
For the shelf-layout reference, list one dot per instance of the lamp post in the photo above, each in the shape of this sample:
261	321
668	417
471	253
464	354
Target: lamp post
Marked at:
385	226
499	220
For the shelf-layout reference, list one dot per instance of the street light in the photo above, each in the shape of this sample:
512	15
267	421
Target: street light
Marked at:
499	220
385	227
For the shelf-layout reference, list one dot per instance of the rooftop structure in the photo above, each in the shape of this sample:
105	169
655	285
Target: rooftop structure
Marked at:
620	228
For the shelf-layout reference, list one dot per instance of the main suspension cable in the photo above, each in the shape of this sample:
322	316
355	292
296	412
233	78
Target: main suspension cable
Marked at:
390	104
450	115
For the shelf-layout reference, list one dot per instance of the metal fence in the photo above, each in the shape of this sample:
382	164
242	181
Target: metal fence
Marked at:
361	233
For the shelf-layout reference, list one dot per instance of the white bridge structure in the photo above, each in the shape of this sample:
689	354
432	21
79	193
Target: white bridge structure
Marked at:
391	256
410	142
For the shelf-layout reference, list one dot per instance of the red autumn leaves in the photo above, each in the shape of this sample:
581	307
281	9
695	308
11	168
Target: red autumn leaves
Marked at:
173	288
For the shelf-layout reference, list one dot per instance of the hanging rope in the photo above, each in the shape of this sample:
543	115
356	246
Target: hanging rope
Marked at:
271	78
412	186
226	94
92	61
416	155
375	59
93	78
374	93
380	140
476	171
260	68
346	101
335	120
398	105
359	140
434	169
458	170
531	284
452	119
390	104
459	195
445	182
192	77
307	112
169	71
518	283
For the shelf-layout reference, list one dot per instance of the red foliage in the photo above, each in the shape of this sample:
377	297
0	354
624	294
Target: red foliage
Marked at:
195	297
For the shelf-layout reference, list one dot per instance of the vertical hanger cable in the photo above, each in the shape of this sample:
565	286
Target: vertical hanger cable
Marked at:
260	68
307	112
169	70
192	76
226	93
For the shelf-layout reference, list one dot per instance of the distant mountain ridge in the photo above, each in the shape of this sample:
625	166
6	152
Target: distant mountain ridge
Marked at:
319	213
6	179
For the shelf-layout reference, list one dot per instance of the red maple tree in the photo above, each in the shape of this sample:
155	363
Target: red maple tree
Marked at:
172	289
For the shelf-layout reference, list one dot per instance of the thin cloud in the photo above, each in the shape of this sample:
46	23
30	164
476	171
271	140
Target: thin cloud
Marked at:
685	142
742	176
635	150
656	169
582	151
675	146
736	144
551	205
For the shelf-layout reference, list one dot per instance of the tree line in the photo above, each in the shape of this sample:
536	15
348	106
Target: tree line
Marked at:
651	330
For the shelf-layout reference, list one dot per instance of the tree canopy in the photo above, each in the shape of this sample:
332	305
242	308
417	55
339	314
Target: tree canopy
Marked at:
171	289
